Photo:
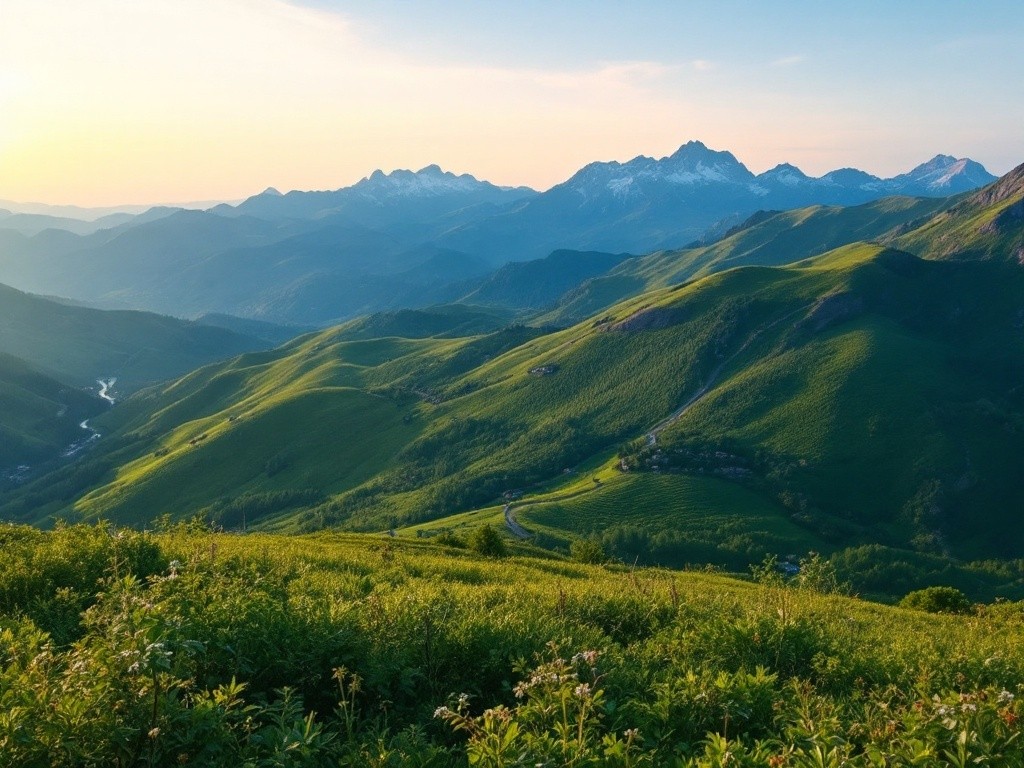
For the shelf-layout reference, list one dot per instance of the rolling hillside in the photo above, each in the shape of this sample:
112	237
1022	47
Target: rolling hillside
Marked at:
39	417
988	224
77	345
859	395
863	396
768	238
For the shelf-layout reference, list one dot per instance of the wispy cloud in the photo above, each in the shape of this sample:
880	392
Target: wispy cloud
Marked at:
789	61
701	65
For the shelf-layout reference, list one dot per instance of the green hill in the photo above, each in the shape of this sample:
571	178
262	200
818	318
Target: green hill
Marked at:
988	224
78	344
861	397
866	396
38	416
450	321
538	284
766	239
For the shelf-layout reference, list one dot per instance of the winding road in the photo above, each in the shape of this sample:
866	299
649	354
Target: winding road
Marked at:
520	532
513	525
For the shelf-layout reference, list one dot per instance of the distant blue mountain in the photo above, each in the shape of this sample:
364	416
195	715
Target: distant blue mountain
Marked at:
405	238
647	204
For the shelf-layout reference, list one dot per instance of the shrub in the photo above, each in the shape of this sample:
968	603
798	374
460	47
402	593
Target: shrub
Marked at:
488	542
588	550
937	600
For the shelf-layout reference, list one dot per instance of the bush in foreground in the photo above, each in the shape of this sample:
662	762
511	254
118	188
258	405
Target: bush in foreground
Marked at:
361	651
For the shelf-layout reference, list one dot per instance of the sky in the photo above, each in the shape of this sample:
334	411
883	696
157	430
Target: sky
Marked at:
111	102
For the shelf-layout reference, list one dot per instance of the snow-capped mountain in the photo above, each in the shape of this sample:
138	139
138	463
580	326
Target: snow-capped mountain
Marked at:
645	203
945	175
429	181
692	165
428	192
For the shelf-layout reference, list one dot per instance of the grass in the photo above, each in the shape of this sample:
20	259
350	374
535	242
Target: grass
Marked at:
39	416
800	366
772	240
78	345
984	225
218	649
862	395
714	514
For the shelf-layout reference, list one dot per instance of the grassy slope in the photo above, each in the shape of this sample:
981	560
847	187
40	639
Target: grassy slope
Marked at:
78	344
871	395
987	224
817	411
775	240
681	655
38	415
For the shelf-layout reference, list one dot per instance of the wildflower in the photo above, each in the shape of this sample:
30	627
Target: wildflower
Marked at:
153	733
521	689
969	707
582	691
463	701
1005	697
588	657
442	712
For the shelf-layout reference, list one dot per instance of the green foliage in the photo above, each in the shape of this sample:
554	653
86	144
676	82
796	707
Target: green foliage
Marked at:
755	409
487	542
52	577
227	650
449	539
588	550
937	600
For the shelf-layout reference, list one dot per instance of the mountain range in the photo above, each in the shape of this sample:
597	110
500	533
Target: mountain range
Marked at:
412	239
790	386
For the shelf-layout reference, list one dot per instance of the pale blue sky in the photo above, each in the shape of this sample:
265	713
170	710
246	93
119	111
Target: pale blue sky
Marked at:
949	72
117	101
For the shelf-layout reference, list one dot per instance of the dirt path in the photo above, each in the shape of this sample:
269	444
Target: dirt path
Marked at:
513	525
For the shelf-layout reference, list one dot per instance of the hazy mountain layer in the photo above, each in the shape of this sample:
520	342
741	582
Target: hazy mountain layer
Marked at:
77	345
405	240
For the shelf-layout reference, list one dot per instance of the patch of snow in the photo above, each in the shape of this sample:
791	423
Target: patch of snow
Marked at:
429	181
621	187
683	177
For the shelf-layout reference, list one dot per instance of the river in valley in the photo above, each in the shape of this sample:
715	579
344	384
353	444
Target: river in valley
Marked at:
106	387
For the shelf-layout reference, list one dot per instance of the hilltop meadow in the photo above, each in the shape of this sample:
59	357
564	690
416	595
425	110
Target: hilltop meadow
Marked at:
186	647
